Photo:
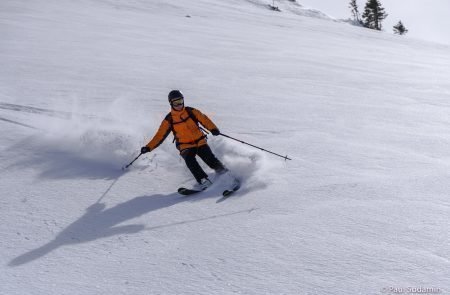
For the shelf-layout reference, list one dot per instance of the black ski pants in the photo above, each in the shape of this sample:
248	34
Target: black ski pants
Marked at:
205	153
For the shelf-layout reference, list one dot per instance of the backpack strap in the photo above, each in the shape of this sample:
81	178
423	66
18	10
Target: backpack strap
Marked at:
190	112
194	118
169	119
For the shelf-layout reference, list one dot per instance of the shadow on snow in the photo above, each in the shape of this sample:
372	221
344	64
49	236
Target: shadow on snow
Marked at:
99	222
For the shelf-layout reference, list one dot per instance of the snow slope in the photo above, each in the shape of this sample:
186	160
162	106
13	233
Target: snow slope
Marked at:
363	206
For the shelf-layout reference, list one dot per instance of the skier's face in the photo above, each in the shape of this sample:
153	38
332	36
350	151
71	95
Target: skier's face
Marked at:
178	104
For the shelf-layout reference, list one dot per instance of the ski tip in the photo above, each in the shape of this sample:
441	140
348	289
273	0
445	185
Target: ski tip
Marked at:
223	198
186	192
227	193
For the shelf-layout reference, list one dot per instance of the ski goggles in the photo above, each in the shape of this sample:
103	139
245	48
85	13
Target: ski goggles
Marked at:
177	102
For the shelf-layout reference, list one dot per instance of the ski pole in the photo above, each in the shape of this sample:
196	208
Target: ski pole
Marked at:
284	157
125	167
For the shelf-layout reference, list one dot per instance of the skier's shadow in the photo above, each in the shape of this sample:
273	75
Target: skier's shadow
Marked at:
99	222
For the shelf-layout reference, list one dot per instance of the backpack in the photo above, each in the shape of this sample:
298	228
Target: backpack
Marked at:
191	115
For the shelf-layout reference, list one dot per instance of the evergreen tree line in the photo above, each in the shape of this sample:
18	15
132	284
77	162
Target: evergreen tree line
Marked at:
373	16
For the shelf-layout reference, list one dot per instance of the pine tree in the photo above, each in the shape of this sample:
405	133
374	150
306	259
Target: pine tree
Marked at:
354	9
400	29
373	15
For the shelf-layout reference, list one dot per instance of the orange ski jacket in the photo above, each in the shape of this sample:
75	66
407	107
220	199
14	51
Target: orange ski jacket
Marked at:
184	126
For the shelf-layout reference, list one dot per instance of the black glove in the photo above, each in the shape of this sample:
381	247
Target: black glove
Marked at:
145	149
215	132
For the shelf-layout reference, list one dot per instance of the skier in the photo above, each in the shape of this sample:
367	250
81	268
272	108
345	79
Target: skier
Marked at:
189	137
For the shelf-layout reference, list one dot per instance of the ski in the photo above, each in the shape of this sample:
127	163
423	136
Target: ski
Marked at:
228	192
187	191
190	191
233	187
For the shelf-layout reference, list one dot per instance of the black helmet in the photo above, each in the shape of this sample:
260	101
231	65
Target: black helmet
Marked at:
175	94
